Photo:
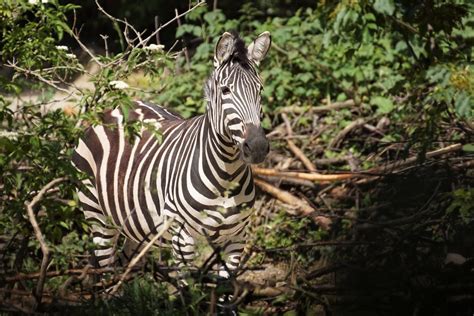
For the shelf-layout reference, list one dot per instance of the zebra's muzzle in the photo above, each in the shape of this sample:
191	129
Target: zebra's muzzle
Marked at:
255	147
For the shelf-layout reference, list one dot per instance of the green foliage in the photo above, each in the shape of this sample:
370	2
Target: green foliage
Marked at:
30	36
37	141
282	232
463	204
145	296
33	153
384	54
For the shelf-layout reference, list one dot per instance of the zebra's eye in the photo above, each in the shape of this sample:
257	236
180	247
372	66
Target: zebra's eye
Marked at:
225	90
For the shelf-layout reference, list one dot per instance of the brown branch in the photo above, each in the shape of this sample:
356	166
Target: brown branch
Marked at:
402	164
342	134
302	205
323	178
293	181
185	49
51	274
37	75
334	106
39	236
326	243
146	40
137	258
116	20
317	109
296	151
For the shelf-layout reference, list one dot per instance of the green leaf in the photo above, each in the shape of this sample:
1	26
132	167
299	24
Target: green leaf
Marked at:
464	105
384	105
384	6
468	148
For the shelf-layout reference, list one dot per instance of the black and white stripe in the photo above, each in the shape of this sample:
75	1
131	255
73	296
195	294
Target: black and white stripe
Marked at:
199	174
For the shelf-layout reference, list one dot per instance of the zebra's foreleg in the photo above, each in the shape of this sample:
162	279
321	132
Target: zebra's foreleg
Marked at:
232	253
183	245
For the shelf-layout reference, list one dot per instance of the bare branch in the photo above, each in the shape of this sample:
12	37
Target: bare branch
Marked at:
185	49
127	25
39	236
167	223
303	175
87	50
146	40
342	134
401	164
286	197
37	75
157	25
295	149
334	106
105	37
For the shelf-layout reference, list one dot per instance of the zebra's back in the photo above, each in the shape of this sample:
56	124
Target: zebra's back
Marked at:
115	193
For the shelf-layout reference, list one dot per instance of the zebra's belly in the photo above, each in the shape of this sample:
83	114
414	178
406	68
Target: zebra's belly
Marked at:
219	225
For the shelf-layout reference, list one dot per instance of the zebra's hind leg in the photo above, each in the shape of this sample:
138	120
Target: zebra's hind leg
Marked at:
103	235
103	255
105	240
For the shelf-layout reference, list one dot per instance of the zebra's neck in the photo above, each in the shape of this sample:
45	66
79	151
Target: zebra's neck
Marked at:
221	156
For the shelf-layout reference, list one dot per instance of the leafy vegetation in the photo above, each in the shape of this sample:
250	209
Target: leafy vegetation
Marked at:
371	87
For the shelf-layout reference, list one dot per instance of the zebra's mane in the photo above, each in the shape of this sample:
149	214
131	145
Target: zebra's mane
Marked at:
240	51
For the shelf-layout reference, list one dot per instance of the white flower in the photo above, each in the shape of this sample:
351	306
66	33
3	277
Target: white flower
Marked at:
154	47
32	1
44	1
9	135
153	122
62	47
117	84
72	56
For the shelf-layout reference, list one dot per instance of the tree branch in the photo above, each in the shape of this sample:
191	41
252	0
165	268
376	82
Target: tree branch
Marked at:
146	40
39	236
323	178
292	146
137	258
286	197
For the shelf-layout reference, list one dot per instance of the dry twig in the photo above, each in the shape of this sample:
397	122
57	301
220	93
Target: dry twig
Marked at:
318	109
334	106
323	178
342	134
296	151
137	258
397	165
39	235
37	75
146	40
289	198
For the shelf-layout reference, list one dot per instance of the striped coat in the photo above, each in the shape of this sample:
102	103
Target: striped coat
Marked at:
199	173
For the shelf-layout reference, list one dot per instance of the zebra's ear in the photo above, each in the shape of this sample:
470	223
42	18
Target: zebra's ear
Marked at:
258	49
224	49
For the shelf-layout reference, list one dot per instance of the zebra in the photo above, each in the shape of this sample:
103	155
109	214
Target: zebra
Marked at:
199	174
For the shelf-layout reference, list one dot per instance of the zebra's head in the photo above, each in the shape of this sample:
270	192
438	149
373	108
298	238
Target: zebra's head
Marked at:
233	92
